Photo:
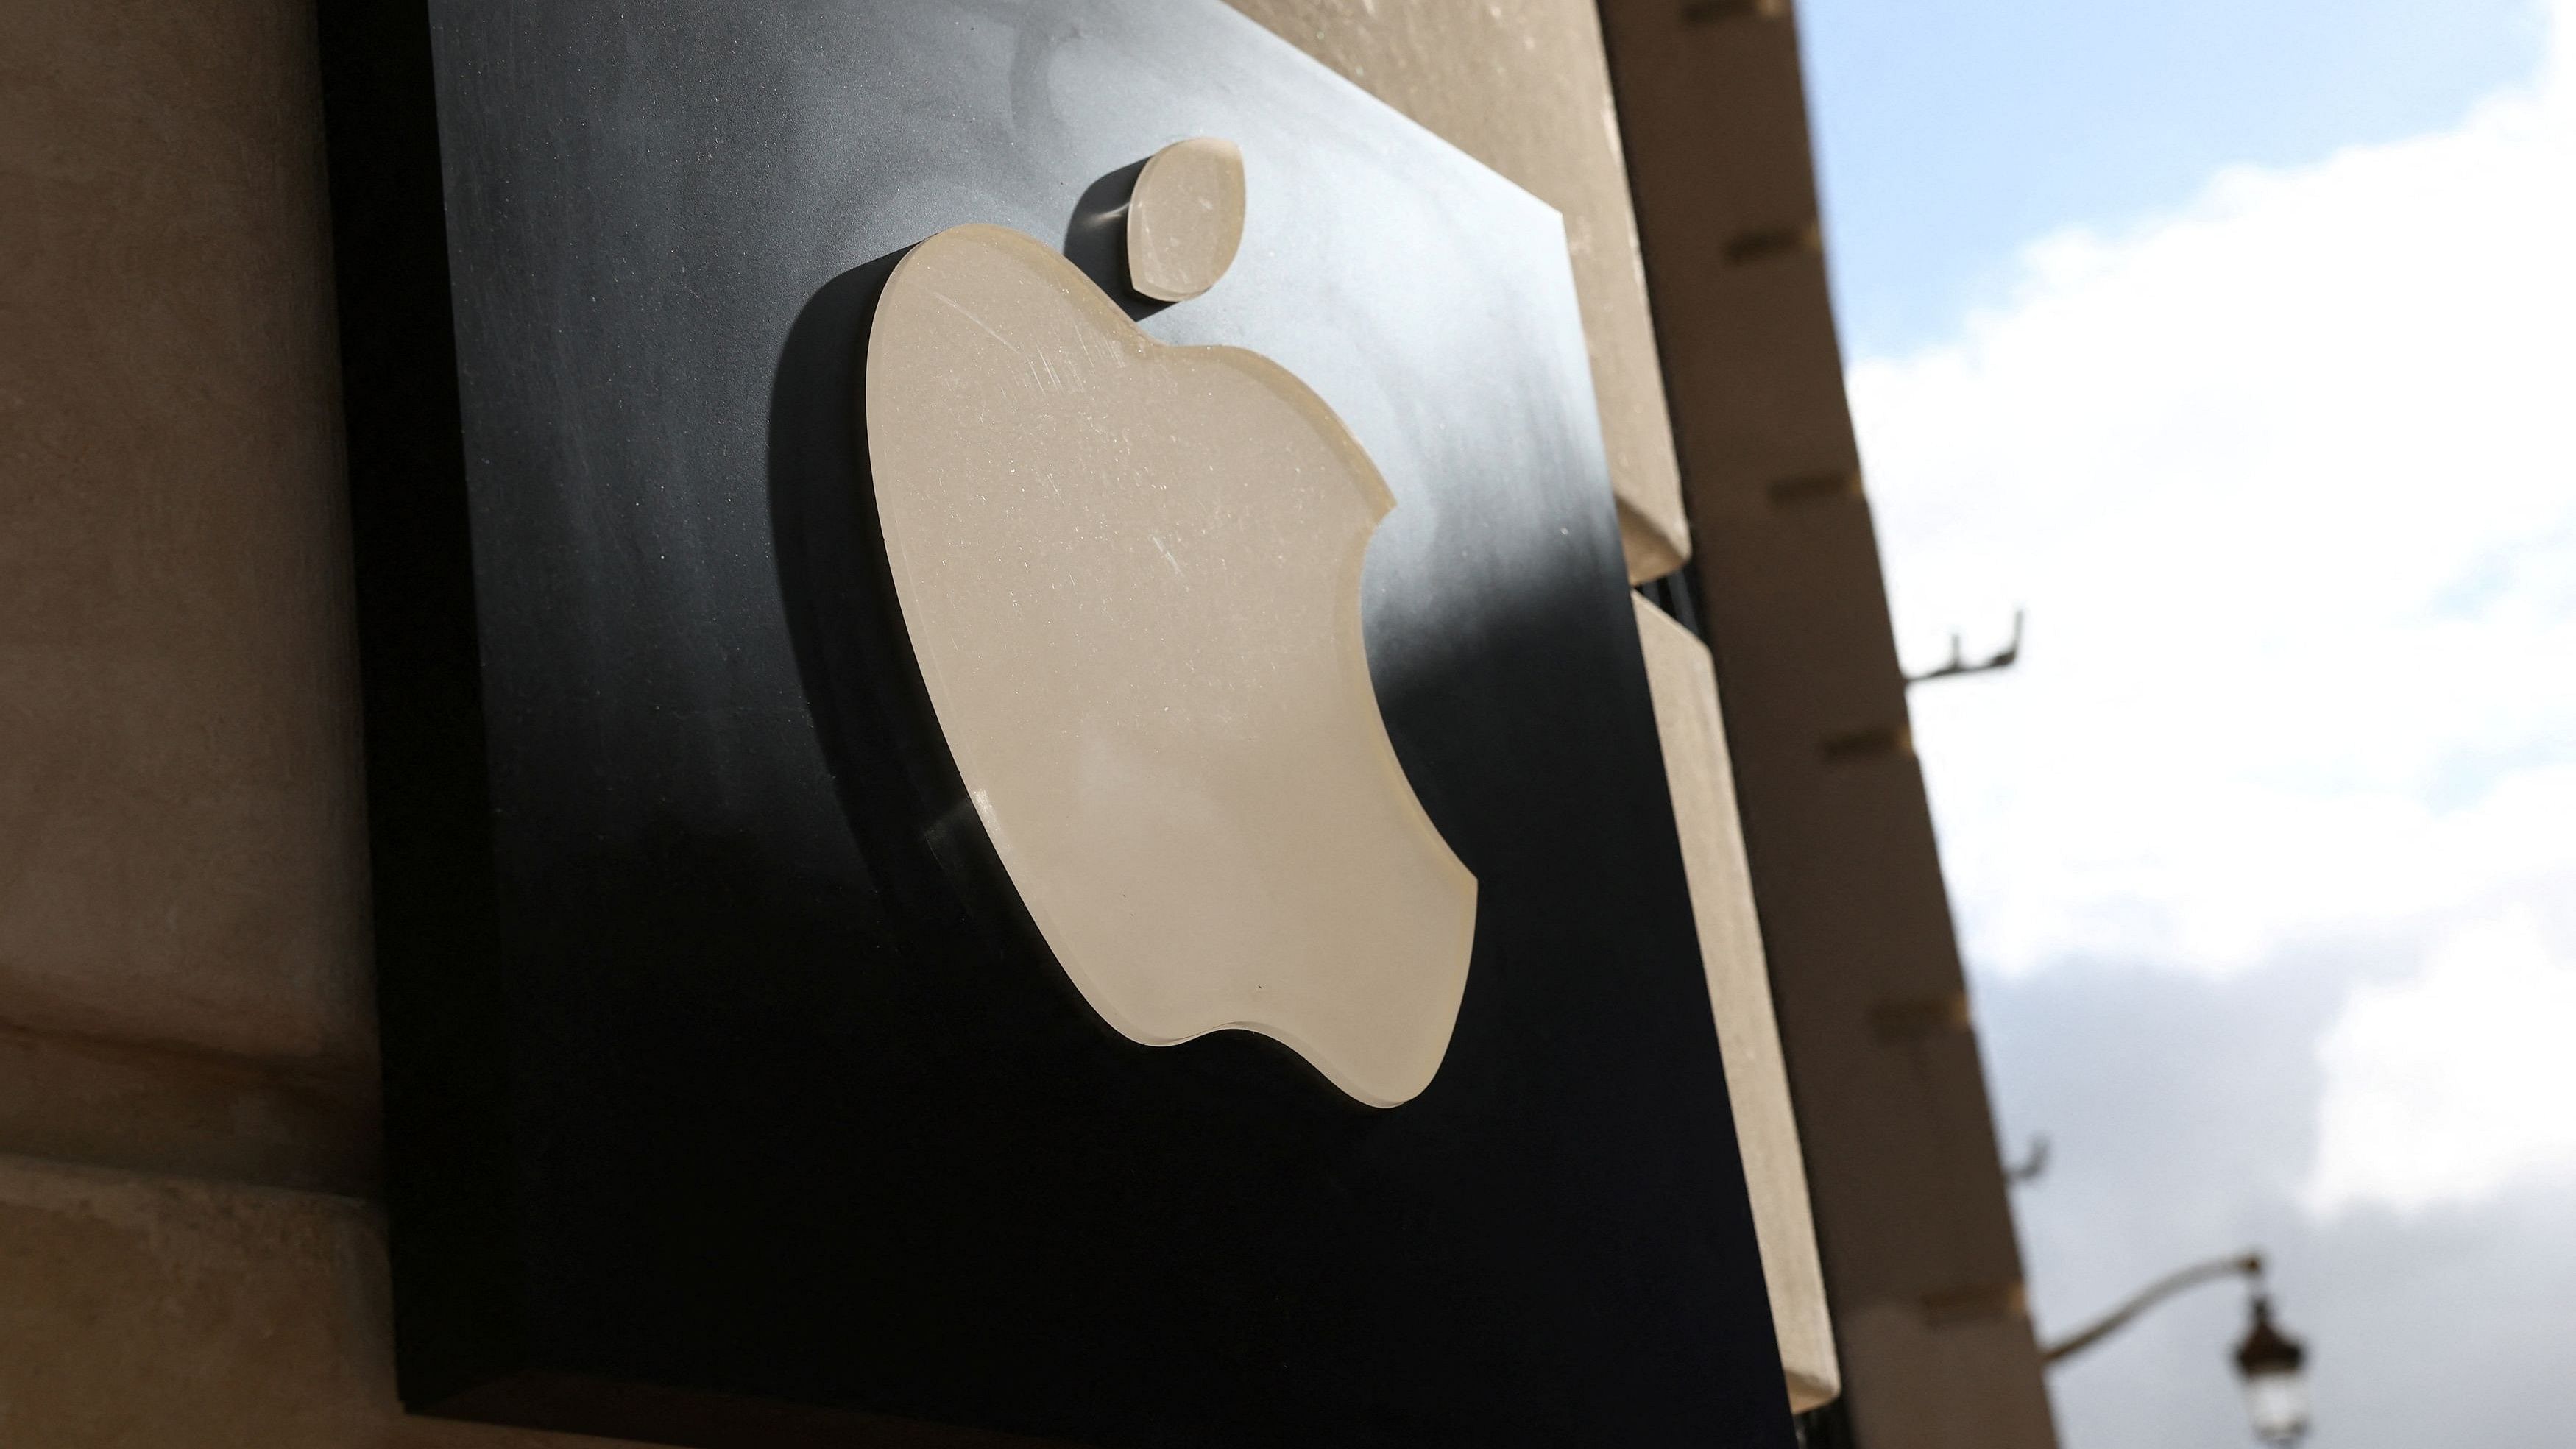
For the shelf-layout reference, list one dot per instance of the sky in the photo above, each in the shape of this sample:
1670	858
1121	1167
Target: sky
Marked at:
2236	343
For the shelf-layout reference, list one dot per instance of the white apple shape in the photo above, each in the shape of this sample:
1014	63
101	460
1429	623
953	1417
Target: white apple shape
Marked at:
1130	573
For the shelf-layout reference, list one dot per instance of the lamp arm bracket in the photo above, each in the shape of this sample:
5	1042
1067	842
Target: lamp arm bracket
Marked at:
2242	1265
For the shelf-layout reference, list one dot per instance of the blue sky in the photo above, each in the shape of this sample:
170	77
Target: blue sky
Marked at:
2237	343
1950	133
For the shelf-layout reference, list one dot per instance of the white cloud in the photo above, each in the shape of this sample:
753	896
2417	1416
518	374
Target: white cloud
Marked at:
2288	484
2445	1088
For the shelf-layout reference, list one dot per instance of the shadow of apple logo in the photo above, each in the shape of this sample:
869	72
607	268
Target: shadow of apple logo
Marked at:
1129	574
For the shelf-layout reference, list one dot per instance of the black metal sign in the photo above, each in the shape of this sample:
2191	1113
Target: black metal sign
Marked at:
734	1094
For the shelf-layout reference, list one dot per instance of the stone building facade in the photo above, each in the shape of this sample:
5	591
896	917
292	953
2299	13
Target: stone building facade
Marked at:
191	1250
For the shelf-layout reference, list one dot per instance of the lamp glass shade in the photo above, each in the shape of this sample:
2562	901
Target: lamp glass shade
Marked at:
2277	1401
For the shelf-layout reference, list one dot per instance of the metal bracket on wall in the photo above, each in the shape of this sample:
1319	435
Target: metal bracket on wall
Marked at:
1958	662
1803	488
1868	744
1805	239
1703	12
1914	1018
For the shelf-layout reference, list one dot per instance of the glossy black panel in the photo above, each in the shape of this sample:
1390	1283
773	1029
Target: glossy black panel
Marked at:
725	1082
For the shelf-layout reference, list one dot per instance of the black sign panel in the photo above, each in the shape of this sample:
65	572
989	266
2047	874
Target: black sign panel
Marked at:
731	1099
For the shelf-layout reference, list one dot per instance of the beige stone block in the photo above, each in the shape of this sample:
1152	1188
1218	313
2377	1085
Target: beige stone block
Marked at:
182	859
1684	684
1715	124
199	1113
1711	99
1756	374
1958	1372
1816	662
1523	86
145	1311
1909	1200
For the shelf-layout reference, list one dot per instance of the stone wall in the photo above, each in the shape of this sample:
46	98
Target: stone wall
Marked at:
1921	1266
190	1254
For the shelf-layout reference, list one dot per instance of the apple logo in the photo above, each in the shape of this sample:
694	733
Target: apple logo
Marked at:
1130	574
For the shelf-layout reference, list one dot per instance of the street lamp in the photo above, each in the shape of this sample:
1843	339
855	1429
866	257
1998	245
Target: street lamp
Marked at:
2276	1388
2270	1362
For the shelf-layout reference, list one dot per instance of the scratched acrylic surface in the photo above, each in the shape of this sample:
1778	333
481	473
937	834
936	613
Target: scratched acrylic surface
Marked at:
1131	575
